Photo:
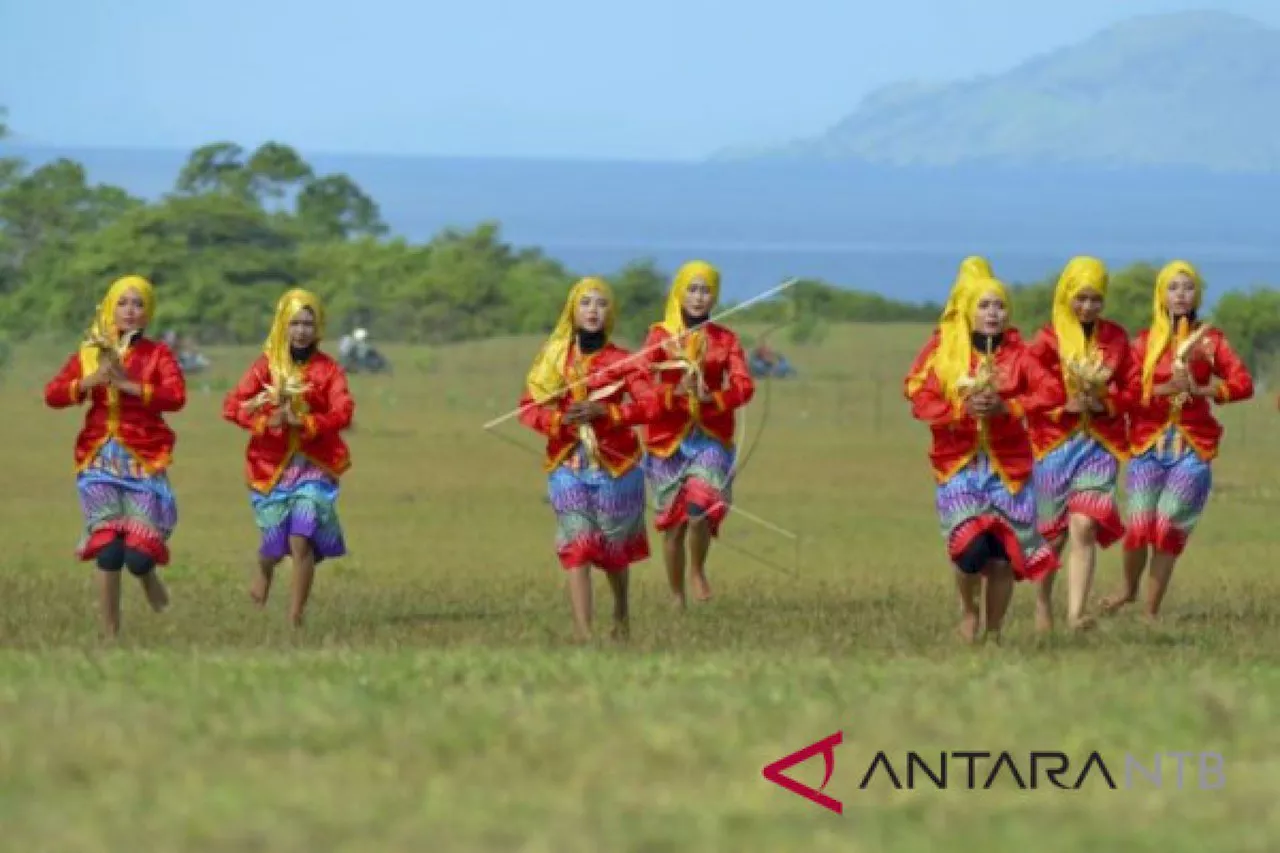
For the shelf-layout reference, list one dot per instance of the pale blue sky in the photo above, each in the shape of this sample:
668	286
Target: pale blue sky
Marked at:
658	79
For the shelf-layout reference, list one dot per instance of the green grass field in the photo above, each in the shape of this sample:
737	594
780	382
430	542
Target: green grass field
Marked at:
435	703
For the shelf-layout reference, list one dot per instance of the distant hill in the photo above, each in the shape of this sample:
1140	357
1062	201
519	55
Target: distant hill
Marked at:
1192	89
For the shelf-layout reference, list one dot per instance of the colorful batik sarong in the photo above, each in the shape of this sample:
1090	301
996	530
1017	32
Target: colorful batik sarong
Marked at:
692	481
303	503
119	498
975	502
1167	489
599	517
1079	476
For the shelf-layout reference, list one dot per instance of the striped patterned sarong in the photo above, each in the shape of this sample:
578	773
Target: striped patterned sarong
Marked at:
119	498
1167	489
976	501
599	517
302	503
696	474
1078	477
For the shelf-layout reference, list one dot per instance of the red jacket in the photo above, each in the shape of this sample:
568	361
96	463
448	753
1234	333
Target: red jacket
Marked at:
1196	423
724	363
135	422
329	410
1025	388
1050	429
615	433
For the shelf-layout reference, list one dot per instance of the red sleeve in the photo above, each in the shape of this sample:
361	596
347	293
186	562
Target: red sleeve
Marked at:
655	353
921	357
1125	388
928	405
544	419
1236	384
234	406
1037	389
741	386
644	405
340	411
169	392
1043	353
63	390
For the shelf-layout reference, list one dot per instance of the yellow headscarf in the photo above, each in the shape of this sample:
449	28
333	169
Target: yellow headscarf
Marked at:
954	355
1161	332
672	319
1080	273
546	379
974	266
277	346
105	318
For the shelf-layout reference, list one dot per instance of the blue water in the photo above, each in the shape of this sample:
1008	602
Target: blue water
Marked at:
899	232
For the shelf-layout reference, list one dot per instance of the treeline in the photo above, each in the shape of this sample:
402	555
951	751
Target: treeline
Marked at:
238	227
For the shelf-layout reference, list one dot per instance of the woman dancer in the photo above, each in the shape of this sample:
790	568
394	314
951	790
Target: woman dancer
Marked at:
1173	434
1080	445
575	395
124	450
295	403
979	386
704	379
974	266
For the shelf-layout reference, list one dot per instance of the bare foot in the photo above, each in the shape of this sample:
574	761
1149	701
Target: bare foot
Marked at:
296	620
678	600
701	589
1152	619
968	629
1084	623
157	593
261	588
1044	620
992	637
621	630
1114	603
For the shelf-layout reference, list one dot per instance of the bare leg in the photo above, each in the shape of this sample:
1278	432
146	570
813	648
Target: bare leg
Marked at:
109	601
999	593
154	589
580	600
968	586
1161	574
1135	563
1081	563
1044	592
304	574
261	587
673	555
618	582
699	547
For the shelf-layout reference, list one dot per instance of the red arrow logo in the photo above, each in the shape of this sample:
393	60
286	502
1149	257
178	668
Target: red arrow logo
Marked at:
826	746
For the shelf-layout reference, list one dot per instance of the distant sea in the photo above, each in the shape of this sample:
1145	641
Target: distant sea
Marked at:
895	231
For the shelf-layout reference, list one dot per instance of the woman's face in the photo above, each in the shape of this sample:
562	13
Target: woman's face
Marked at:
697	298
1088	305
130	315
1180	298
992	314
302	329
592	311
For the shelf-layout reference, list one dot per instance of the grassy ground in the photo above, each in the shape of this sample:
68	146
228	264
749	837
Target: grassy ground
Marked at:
434	703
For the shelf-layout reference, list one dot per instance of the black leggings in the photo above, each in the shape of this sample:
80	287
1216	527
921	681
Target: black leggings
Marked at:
115	556
982	550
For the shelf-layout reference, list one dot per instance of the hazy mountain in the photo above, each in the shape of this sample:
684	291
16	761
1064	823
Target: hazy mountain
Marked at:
1195	89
